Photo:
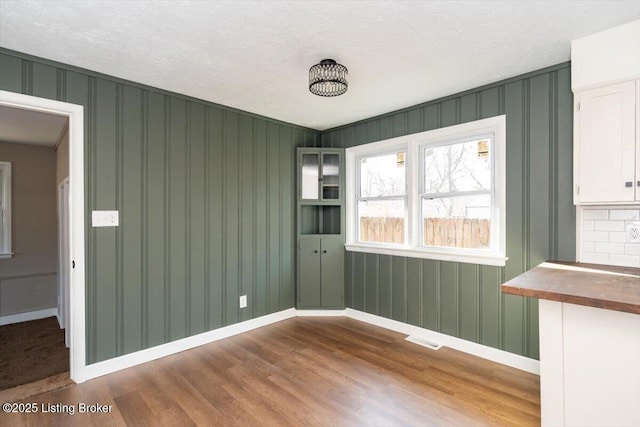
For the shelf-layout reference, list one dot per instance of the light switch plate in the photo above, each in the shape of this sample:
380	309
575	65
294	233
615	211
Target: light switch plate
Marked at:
105	219
243	301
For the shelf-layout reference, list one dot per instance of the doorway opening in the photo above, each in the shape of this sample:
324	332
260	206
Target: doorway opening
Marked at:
69	219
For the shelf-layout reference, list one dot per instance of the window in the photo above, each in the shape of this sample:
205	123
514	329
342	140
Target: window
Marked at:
382	198
5	209
438	194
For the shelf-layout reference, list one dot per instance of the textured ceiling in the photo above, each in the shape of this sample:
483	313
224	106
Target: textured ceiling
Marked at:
255	55
30	127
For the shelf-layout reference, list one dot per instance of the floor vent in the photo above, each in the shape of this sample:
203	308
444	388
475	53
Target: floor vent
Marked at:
423	342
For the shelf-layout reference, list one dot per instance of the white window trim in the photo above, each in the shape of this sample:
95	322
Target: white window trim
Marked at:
411	143
5	244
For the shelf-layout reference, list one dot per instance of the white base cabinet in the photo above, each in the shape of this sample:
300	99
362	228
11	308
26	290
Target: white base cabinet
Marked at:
589	366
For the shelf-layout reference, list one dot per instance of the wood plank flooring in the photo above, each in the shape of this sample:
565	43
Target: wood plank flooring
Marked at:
303	372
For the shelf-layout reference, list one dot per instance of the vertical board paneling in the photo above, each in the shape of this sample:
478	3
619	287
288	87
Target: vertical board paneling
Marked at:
130	237
431	294
414	121
45	81
385	287
449	298
287	217
216	161
261	247
206	199
464	300
431	117
10	73
399	288
449	112
385	128
155	221
359	280
566	212
490	306
469	108
468	303
489	104
177	224
105	254
414	291
539	168
516	107
400	124
196	206
348	137
273	228
247	214
348	274
372	277
231	205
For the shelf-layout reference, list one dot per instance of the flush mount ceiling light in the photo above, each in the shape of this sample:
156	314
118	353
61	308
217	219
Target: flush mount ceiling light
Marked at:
328	78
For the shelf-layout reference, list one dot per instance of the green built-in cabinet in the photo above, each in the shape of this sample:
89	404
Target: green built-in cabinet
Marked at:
320	228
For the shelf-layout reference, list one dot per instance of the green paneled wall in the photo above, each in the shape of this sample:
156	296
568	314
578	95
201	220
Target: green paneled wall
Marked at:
464	300
206	195
206	200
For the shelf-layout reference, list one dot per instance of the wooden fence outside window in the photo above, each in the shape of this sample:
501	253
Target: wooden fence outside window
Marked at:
447	232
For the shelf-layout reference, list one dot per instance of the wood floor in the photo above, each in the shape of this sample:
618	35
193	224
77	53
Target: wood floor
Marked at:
299	372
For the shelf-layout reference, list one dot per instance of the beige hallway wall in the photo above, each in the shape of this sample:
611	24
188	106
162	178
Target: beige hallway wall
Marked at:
28	279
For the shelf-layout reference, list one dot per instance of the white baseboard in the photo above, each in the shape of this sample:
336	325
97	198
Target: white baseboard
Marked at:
29	315
149	354
483	351
320	313
153	353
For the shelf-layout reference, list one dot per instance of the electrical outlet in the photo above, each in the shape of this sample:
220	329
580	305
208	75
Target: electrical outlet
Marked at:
633	232
243	301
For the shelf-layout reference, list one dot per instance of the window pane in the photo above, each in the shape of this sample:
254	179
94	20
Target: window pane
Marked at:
382	175
460	222
458	167
381	221
310	176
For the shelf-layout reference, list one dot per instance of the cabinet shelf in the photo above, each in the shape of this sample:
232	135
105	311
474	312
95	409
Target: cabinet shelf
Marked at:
320	219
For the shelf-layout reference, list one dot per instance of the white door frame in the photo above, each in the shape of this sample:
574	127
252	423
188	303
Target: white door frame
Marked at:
63	259
75	113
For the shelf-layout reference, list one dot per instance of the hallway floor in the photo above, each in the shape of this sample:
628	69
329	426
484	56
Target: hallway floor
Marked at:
31	351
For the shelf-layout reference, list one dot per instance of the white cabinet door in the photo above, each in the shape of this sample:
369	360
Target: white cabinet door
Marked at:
601	360
605	144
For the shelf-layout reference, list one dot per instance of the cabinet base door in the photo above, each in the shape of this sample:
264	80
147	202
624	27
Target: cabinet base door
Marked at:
309	273
332	276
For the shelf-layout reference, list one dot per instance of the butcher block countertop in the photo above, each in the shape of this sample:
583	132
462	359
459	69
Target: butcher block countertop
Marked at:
593	285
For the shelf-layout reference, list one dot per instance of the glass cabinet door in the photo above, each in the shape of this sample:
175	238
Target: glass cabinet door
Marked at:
330	176
310	176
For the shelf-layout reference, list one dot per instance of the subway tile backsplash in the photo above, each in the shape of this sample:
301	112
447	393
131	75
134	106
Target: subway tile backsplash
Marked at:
604	236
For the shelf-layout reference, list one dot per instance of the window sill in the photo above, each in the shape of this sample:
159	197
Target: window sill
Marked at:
6	256
495	260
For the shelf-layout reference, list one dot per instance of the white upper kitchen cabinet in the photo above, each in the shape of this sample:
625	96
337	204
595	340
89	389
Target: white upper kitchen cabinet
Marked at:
606	149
